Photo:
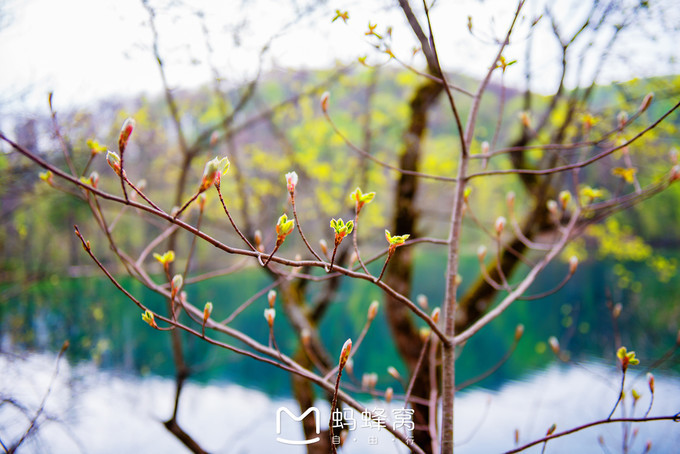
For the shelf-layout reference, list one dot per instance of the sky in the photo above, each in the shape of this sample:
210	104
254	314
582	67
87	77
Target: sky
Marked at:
84	50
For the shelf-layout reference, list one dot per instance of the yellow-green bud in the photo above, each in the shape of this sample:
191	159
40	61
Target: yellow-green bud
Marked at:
207	311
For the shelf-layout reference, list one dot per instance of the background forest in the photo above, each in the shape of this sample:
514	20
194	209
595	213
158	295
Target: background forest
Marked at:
273	122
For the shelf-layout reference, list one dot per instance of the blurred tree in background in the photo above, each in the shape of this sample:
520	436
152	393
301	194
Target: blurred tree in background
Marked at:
389	128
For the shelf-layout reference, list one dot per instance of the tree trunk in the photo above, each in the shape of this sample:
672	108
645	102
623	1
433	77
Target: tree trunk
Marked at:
398	273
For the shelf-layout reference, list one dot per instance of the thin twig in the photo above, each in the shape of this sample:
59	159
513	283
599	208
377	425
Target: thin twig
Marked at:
141	194
368	155
554	290
355	240
250	300
62	141
490	371
416	370
674	417
233	224
579	164
355	347
186	204
299	228
155	242
623	380
231	250
41	408
522	286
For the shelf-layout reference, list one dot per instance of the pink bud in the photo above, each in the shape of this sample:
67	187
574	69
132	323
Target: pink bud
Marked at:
481	252
500	224
573	264
114	161
125	133
373	310
291	181
305	336
551	430
389	393
510	199
324	101
344	354
675	173
94	178
646	102
422	301
176	283
270	315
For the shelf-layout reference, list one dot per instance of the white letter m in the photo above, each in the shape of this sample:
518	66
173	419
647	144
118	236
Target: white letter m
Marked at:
300	418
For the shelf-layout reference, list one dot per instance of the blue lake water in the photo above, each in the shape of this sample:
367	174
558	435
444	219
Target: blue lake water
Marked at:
116	385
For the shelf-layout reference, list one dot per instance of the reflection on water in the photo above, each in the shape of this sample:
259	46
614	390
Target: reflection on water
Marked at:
102	404
99	412
105	327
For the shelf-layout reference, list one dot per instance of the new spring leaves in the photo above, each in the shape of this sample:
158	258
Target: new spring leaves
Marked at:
626	358
395	240
214	170
361	199
212	174
342	229
283	228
